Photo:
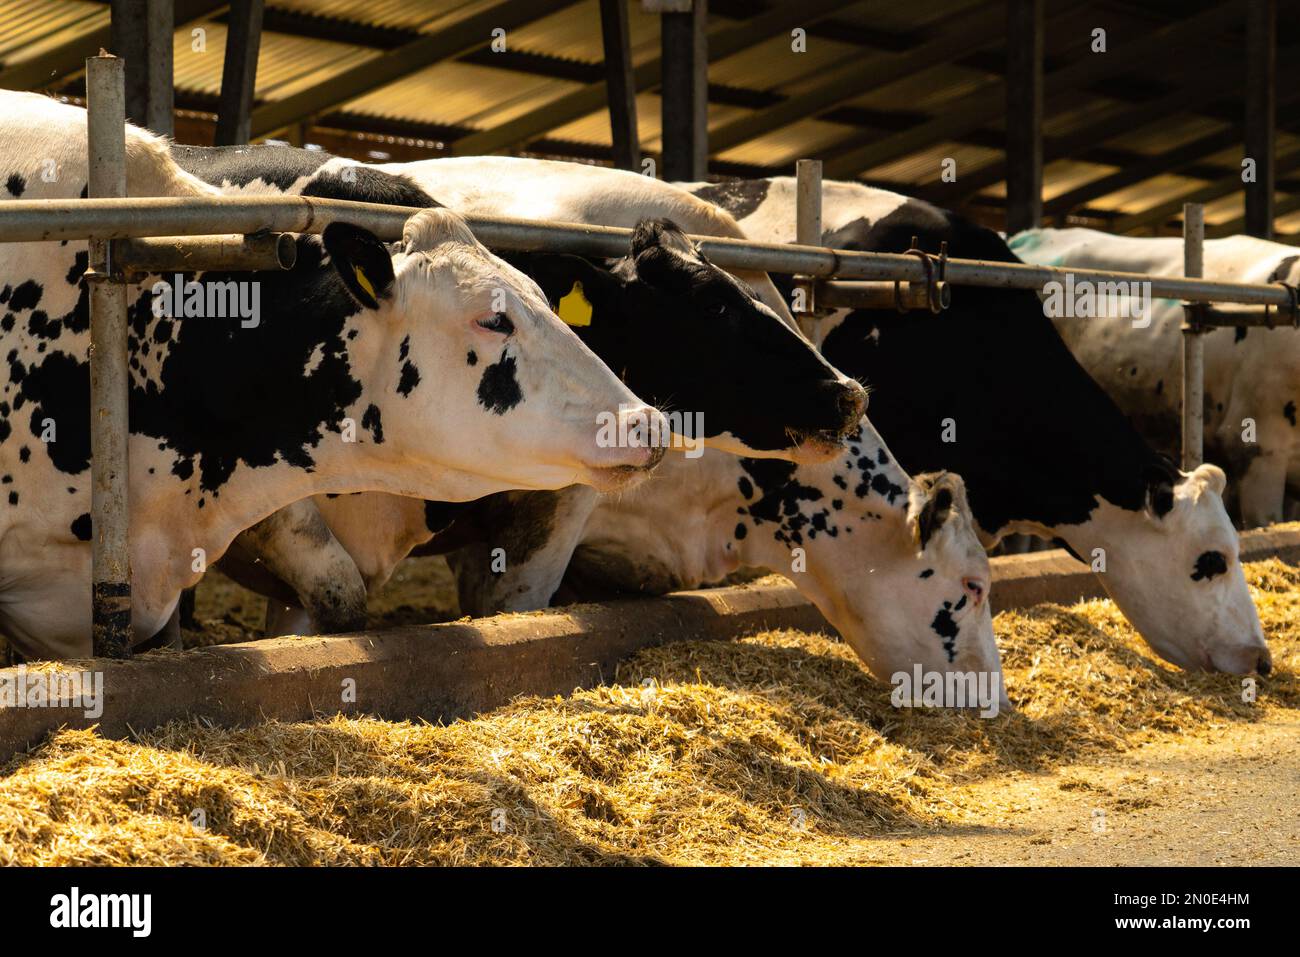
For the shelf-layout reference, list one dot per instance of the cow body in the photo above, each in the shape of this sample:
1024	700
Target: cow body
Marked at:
663	317
232	421
1044	451
1252	375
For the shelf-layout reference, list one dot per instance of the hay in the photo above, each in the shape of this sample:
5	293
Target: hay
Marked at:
775	749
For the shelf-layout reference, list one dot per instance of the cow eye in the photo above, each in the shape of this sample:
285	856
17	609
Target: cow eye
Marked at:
717	309
499	322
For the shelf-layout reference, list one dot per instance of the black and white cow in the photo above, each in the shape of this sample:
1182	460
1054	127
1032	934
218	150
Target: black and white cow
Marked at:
755	384
1044	451
351	372
1252	375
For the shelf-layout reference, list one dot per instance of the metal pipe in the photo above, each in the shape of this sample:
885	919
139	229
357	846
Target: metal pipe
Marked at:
841	294
237	253
1193	341
808	221
110	561
40	220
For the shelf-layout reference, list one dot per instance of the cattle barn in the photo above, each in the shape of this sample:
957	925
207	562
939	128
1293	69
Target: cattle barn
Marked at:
689	432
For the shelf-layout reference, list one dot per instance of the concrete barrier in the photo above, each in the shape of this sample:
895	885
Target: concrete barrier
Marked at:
447	671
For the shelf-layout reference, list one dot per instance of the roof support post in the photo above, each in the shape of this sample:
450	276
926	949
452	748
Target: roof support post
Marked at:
685	90
1261	114
1025	38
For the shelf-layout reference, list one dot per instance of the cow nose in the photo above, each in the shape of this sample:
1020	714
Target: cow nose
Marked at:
1265	664
852	401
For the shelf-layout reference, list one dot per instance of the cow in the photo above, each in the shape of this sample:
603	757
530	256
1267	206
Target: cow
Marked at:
1252	375
748	377
1044	451
428	368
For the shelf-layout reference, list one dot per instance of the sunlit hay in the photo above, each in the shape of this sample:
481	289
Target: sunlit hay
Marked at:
775	749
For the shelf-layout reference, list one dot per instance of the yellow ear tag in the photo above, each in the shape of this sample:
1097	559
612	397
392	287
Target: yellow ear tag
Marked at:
365	283
574	308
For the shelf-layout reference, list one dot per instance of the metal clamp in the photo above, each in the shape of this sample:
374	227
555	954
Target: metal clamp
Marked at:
1293	307
933	277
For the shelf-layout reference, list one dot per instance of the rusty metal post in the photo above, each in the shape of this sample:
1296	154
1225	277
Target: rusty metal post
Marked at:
1193	340
109	377
807	229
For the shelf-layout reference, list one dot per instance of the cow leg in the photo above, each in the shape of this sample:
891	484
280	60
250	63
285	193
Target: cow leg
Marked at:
530	539
1261	490
296	546
282	619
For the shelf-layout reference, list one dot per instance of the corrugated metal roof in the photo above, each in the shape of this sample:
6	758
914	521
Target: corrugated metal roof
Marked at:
308	42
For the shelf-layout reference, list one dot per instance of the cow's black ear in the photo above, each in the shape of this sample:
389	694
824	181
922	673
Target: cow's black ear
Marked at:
933	502
362	261
1159	480
661	252
579	291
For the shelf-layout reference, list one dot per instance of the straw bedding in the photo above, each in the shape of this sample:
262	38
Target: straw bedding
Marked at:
774	749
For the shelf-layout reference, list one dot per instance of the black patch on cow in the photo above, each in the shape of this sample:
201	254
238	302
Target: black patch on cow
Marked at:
1282	271
746	487
438	516
741	530
946	628
740	198
7	323
24	454
1209	564
409	380
26	296
782	499
926	574
162	331
1289	411
471	358
280	166
81	527
1021	458
371	421
374	185
13	498
78	268
498	390
16	184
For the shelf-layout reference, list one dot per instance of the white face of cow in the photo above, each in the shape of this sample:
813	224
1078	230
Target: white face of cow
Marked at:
1200	617
535	408
893	563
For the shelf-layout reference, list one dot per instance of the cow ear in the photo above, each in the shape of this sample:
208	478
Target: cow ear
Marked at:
579	291
362	261
660	250
1158	480
934	499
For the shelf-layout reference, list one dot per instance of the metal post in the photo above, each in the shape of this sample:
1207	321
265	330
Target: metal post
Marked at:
109	382
685	92
239	72
141	34
1193	341
620	84
1261	113
160	115
808	224
1024	114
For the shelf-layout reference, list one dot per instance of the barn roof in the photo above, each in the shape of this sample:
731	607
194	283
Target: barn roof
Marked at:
883	92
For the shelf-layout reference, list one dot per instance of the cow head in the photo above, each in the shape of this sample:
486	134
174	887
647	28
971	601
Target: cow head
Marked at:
695	339
1174	571
530	399
893	563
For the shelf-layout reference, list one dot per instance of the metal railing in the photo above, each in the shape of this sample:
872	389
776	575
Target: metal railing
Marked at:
245	233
